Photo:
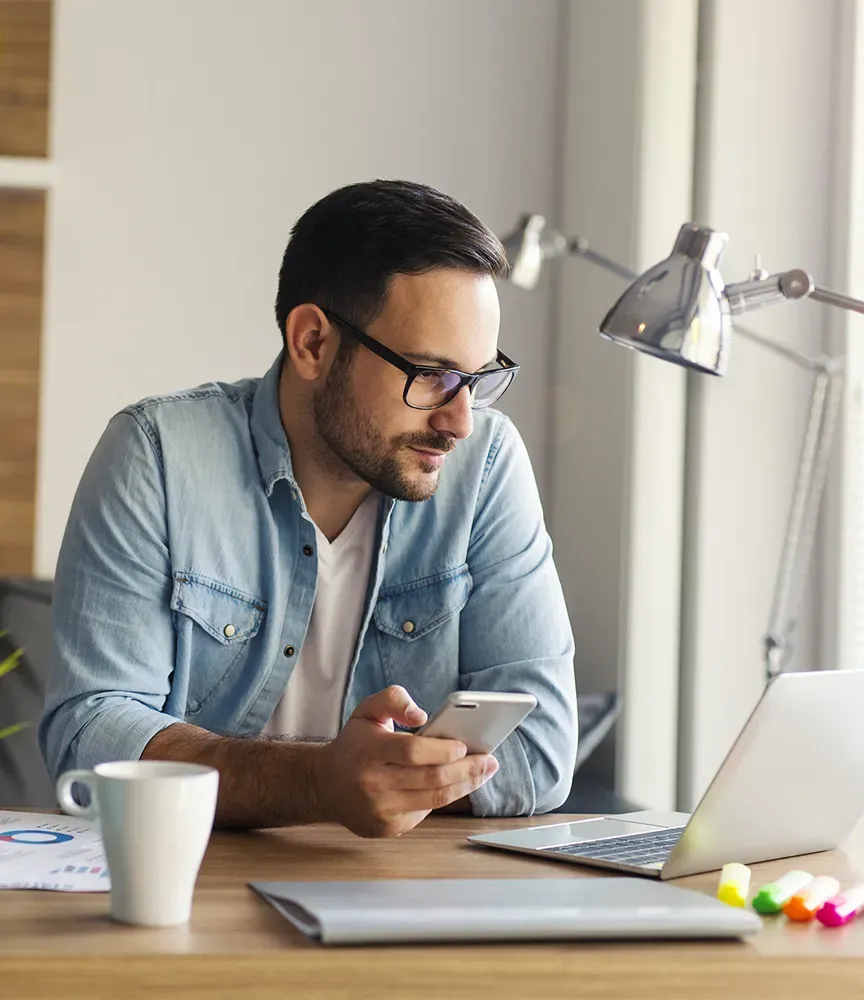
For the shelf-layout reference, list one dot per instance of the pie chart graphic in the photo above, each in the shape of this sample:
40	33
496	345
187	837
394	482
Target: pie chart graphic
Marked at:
34	838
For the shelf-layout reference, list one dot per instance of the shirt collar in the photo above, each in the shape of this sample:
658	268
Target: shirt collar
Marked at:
268	434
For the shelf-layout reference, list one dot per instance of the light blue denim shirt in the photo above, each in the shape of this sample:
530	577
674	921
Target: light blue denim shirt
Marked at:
188	520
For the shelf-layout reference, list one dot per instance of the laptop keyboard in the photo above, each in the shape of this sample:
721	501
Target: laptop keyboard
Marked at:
637	849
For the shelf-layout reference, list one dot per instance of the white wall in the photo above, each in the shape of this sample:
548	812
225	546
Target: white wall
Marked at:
619	429
764	175
763	172
189	136
842	576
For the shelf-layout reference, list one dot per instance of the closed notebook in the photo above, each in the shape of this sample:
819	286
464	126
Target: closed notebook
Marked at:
502	909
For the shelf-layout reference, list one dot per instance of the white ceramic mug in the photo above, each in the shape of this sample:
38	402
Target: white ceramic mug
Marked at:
155	817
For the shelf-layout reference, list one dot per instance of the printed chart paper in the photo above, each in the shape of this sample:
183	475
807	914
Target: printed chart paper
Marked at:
44	851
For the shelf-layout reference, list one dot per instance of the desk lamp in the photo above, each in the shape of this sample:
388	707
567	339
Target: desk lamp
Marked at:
681	310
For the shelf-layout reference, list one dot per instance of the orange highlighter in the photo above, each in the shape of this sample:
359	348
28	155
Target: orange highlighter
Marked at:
806	903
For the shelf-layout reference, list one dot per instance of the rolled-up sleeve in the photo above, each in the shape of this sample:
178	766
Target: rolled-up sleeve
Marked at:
112	625
515	635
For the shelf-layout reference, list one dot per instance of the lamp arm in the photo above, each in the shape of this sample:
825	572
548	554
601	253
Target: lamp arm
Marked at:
757	292
766	290
579	245
802	520
762	289
836	299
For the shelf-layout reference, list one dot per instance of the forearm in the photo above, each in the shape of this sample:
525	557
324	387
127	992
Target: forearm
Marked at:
262	782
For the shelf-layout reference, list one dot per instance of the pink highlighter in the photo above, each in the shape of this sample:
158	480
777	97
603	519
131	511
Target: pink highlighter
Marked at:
841	909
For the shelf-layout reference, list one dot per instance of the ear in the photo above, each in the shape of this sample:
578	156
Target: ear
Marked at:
311	340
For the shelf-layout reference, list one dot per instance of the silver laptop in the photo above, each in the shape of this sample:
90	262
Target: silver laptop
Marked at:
793	783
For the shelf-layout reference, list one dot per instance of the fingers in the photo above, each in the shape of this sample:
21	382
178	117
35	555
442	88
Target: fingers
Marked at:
383	783
417	751
427	799
392	704
396	777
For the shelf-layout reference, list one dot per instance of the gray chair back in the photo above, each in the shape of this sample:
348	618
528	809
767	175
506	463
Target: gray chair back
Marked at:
25	615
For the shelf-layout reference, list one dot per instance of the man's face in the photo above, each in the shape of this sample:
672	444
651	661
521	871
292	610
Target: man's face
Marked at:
446	318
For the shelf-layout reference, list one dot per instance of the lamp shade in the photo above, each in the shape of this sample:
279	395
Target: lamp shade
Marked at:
528	246
524	251
676	310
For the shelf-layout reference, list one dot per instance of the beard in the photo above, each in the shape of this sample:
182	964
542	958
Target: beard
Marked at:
354	439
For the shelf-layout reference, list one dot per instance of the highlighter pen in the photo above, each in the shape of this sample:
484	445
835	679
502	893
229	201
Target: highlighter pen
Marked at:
804	905
734	884
771	897
843	908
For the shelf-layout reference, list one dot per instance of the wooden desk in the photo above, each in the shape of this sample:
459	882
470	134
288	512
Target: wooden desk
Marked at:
64	945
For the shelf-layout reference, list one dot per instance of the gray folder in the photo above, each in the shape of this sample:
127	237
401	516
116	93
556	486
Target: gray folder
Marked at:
502	909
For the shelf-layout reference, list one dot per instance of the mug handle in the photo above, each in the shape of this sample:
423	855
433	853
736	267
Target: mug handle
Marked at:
64	794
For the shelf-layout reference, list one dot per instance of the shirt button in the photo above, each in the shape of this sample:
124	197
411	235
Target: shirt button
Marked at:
307	550
288	650
408	627
229	630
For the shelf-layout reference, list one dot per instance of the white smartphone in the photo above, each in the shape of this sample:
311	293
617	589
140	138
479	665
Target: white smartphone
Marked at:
482	720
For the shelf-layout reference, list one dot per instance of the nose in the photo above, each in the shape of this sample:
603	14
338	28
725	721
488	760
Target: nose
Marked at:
456	418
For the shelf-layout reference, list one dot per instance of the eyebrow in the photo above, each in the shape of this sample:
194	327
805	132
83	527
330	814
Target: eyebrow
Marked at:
438	361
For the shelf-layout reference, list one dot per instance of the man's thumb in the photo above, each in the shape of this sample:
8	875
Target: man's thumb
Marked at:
392	704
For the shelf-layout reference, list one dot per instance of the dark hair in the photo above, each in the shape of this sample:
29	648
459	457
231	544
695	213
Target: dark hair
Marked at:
347	247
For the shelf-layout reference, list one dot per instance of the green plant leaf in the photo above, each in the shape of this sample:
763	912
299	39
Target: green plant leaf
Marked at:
11	730
11	662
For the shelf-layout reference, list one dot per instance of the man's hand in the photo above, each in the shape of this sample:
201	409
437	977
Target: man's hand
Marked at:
380	783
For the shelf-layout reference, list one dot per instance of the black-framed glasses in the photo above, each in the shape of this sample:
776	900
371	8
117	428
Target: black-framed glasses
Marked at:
428	387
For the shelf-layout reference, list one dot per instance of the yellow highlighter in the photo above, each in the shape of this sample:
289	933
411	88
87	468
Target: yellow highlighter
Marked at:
734	884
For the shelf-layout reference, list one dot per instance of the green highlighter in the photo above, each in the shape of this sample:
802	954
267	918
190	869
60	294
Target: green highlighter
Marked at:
771	897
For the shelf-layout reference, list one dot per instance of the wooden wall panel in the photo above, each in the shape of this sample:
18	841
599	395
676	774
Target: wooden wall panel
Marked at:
25	58
22	225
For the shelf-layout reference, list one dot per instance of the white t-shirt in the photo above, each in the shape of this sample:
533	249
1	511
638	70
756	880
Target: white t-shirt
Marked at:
312	702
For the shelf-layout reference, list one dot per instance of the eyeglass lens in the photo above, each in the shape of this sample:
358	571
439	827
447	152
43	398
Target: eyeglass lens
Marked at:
430	388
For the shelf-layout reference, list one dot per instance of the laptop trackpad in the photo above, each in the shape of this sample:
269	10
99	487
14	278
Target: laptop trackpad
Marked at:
540	837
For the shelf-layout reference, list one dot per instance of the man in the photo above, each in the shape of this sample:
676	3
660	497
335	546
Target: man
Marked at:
280	577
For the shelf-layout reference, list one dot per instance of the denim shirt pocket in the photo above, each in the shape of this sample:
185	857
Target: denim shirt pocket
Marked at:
215	624
418	633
